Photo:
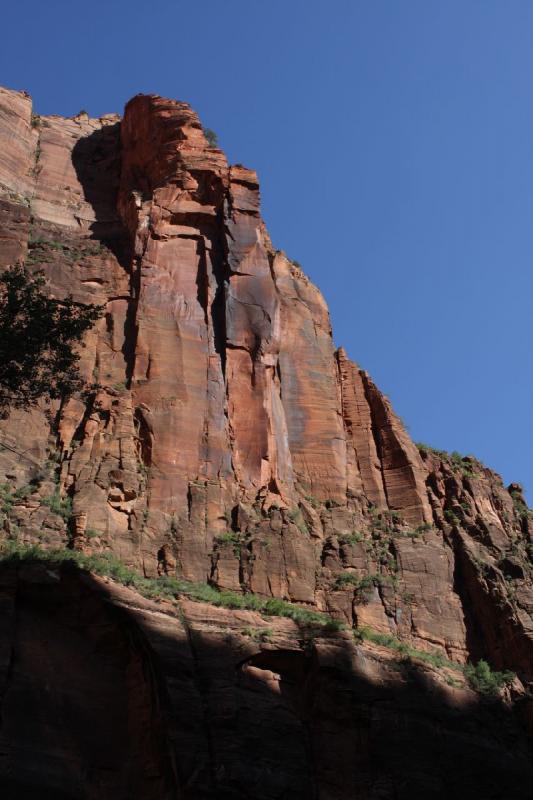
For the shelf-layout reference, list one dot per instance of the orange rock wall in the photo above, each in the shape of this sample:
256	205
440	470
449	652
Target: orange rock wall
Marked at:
223	437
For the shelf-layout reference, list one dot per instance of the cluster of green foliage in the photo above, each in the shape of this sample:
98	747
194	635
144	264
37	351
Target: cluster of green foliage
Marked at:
451	517
465	465
350	538
62	506
384	520
520	506
480	676
385	525
462	464
8	497
363	586
347	579
417	532
486	680
166	586
39	247
212	138
295	515
426	448
393	643
37	339
257	634
230	538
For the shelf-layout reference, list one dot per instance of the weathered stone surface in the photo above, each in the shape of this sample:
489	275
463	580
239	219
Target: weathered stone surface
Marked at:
107	695
223	438
402	468
309	388
382	460
81	716
19	142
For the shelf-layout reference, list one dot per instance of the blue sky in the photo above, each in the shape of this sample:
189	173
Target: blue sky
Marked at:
394	143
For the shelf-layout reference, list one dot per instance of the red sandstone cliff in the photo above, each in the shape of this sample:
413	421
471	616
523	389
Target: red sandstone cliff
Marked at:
224	439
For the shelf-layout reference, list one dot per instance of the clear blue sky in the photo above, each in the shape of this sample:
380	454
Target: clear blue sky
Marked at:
394	143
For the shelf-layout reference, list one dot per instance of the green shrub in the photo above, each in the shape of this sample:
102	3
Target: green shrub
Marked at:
462	464
351	539
363	586
484	680
169	587
6	498
346	579
480	676
409	653
257	634
417	532
62	506
23	492
295	516
451	517
425	448
520	507
212	138
230	538
424	528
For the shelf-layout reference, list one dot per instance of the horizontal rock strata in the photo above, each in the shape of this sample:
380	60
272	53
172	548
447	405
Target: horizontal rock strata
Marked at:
127	698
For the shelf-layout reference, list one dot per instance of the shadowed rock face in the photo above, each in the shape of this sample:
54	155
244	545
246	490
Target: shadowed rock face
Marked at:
224	438
107	695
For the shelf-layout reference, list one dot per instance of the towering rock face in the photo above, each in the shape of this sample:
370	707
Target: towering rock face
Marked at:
218	384
222	437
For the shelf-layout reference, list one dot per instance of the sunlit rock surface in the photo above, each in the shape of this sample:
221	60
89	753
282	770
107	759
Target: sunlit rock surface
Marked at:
224	438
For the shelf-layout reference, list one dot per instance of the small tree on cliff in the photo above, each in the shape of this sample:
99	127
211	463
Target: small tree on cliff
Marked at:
38	335
212	138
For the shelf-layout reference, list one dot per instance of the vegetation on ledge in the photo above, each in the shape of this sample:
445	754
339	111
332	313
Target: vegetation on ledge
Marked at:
165	586
480	676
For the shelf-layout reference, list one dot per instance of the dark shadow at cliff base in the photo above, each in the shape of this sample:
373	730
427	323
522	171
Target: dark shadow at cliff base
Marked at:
104	701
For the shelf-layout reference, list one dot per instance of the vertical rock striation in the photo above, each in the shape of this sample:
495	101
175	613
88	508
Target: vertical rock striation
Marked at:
222	436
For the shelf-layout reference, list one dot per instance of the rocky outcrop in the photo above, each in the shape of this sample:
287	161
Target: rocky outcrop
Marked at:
222	437
107	695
